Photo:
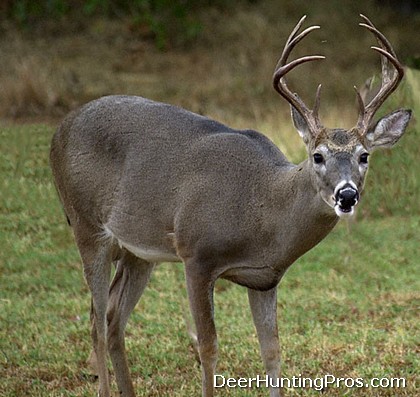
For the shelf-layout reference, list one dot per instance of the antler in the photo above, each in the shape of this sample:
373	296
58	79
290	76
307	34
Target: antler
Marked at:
282	68
389	81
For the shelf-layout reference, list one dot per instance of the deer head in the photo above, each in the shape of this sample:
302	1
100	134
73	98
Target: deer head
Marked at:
338	158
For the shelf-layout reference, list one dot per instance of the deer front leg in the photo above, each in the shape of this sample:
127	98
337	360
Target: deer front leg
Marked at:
200	294
264	313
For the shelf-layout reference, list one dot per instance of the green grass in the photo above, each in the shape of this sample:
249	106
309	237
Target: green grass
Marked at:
348	308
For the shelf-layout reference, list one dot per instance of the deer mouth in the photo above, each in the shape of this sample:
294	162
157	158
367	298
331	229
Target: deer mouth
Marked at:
346	198
343	211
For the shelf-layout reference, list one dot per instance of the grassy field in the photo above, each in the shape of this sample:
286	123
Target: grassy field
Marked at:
348	308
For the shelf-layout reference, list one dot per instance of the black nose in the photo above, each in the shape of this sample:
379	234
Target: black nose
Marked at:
347	196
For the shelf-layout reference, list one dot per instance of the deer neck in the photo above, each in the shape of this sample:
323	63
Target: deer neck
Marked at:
306	201
304	218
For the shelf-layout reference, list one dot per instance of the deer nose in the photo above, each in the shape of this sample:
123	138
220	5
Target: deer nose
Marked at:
347	196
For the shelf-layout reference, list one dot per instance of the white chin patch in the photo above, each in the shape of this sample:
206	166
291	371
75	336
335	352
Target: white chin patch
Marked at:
343	213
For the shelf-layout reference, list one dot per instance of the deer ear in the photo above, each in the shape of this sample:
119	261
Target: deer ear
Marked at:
389	129
300	124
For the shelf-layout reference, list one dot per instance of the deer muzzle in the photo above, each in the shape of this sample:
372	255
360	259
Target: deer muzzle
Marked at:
346	198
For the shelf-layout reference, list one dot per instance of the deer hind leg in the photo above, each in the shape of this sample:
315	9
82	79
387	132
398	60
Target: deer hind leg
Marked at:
264	313
92	361
130	280
200	294
97	257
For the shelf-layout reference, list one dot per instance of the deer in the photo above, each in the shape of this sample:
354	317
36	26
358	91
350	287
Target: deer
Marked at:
143	182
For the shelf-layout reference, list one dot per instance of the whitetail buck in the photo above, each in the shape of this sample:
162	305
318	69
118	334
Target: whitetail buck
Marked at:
144	182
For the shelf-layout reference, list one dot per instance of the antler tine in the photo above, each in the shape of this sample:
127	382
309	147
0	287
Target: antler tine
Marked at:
291	43
292	35
380	36
384	45
315	110
389	81
392	58
382	41
282	68
360	101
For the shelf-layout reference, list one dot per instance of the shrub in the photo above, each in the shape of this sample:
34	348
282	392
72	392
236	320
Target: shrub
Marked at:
169	21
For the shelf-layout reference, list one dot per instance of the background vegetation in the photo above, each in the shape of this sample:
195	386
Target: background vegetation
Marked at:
349	307
167	20
393	184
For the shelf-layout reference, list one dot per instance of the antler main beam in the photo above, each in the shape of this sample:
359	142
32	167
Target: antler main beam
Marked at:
282	68
390	78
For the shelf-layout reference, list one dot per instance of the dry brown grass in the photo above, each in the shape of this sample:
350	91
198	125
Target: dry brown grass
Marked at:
226	74
34	91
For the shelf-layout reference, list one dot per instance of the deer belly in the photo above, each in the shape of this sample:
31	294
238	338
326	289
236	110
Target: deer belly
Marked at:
258	278
149	254
146	252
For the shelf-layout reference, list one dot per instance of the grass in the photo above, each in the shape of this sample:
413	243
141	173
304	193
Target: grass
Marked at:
349	307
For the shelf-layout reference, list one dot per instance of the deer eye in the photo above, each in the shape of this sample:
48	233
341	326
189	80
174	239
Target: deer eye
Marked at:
364	158
318	158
